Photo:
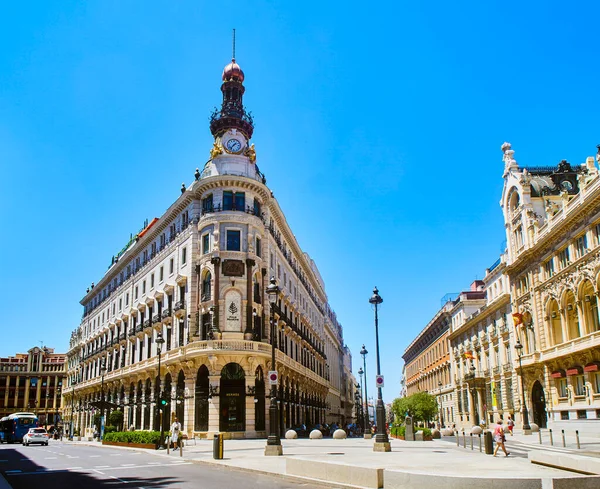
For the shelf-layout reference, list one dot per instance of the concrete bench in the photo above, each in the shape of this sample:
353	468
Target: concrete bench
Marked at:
335	472
568	461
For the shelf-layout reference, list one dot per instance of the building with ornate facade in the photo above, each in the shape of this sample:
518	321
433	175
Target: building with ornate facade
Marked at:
33	382
196	278
552	220
427	363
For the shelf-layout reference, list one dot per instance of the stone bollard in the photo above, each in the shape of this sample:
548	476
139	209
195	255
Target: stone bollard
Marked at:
488	442
435	434
291	435
315	435
339	434
419	436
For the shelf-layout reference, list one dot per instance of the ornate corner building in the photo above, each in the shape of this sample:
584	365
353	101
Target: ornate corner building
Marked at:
197	278
552	220
33	382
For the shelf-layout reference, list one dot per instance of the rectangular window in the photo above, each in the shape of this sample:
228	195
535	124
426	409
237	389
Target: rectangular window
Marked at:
205	244
207	204
120	304
564	258
183	256
581	414
272	261
240	201
579	386
597	234
136	293
161	274
234	201
171	262
257	210
564	415
549	268
581	245
258	250
227	200
596	381
144	287
152	281
127	299
233	240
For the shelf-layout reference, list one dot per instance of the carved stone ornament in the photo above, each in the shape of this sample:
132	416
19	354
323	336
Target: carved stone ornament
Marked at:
233	268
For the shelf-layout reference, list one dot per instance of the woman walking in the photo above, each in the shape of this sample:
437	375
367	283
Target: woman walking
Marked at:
499	438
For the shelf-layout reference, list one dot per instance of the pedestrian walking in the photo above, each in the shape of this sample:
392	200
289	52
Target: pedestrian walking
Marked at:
175	429
499	438
511	425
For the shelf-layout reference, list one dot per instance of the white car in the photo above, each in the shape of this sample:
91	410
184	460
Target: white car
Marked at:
36	435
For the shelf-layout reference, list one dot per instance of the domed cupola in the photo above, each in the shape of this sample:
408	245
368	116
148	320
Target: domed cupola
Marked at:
232	114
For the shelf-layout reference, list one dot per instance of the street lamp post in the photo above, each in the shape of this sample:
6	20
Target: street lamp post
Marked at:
382	442
159	343
364	352
440	398
362	407
273	446
526	427
102	372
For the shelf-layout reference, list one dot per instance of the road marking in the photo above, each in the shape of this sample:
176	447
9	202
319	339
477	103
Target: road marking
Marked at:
120	480
102	466
50	458
72	468
72	456
127	465
94	456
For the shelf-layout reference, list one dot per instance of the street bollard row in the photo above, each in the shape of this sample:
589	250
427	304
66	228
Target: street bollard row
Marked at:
564	441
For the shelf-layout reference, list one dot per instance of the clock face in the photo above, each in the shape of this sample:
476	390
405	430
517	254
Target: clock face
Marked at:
233	145
566	185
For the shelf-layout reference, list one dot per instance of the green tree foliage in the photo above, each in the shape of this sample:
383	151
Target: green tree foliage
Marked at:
116	418
422	406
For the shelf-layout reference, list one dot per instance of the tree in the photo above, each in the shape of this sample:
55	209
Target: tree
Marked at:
116	419
421	406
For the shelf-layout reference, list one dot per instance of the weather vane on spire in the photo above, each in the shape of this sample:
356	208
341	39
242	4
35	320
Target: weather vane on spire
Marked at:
233	50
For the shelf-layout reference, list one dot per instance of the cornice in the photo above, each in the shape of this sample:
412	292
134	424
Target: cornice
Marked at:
495	306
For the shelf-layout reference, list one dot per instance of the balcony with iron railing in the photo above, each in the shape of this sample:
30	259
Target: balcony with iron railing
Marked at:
147	323
179	305
156	319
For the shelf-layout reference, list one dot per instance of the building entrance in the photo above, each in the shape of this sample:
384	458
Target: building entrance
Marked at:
232	398
538	402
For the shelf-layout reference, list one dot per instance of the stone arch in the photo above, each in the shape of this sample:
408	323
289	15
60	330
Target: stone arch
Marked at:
180	398
232	398
571	315
201	399
138	406
589	306
555	332
147	397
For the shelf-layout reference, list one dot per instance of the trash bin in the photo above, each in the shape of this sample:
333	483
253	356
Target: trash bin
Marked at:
218	446
488	442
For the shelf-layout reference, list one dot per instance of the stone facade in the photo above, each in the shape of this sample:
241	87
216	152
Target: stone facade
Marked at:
33	382
197	277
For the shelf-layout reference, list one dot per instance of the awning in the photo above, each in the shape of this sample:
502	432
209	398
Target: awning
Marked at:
574	371
592	367
558	374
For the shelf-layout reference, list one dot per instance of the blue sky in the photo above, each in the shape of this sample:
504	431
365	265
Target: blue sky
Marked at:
378	128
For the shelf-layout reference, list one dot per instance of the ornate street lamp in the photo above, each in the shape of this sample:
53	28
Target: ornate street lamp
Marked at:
440	398
382	442
526	427
367	428
159	343
362	407
273	446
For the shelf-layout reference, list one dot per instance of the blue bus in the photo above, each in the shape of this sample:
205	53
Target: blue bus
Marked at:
14	426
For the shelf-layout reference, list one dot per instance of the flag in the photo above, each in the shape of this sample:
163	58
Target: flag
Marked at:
469	355
517	318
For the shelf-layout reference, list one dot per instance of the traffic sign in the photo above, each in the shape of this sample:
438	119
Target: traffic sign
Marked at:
379	380
273	377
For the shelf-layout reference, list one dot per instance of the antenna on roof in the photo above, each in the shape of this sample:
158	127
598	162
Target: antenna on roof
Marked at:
41	344
233	47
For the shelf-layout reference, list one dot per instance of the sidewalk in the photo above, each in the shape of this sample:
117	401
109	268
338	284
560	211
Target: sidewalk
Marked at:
433	459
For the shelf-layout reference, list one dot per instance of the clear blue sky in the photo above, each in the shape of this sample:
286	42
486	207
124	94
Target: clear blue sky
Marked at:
378	128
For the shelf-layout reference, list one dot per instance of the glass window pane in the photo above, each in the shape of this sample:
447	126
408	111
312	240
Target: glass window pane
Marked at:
233	240
227	201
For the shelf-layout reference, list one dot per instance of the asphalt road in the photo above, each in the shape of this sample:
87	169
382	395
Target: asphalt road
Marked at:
63	465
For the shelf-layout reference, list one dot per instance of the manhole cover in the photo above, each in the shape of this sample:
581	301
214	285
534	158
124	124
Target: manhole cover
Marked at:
335	453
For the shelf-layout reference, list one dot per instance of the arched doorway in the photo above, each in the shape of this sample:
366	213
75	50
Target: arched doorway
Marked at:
232	398
180	398
147	396
538	403
201	400
259	404
166	410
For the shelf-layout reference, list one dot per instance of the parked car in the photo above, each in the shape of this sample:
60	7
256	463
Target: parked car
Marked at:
36	435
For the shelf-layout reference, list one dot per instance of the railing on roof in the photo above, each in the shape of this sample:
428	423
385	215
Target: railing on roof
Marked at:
495	265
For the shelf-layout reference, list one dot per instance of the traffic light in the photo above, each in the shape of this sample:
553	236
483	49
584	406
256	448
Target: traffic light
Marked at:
163	401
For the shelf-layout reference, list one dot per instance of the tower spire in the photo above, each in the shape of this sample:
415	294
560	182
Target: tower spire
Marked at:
233	47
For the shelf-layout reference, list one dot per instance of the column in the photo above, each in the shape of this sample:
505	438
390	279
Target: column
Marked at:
217	294
213	406
482	413
249	265
472	400
250	409
189	406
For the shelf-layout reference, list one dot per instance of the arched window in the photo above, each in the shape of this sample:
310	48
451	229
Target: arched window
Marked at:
571	316
554	323
201	400
206	287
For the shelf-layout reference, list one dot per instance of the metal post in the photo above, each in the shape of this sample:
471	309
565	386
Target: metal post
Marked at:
273	441
540	436
464	440
577	438
479	442
563	438
159	342
364	352
551	439
457	438
471	434
526	426
381	436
